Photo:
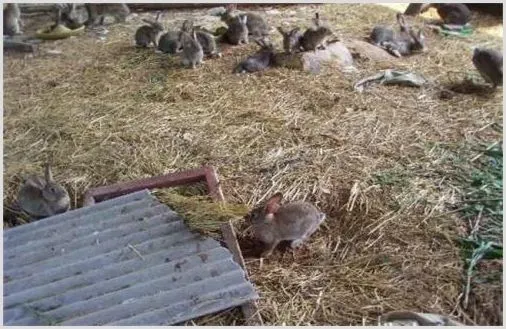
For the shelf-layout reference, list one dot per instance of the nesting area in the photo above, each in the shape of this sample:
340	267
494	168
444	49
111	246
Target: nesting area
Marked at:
373	161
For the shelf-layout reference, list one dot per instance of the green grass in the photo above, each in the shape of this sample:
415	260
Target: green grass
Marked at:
473	172
482	207
482	201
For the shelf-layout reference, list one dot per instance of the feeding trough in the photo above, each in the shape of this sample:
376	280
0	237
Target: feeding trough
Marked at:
58	32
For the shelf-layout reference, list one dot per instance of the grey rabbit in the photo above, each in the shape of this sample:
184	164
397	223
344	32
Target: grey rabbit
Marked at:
98	11
237	31
316	36
149	34
407	41
451	13
208	43
257	26
381	34
193	53
206	39
291	39
72	17
12	19
489	63
273	222
43	197
259	61
169	43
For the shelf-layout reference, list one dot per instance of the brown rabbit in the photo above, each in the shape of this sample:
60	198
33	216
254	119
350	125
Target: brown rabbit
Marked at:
43	197
451	13
273	222
316	36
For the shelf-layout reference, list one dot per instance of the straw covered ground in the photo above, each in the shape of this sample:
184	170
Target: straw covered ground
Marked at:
375	162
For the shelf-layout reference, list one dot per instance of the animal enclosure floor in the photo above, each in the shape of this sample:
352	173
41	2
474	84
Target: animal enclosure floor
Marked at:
110	112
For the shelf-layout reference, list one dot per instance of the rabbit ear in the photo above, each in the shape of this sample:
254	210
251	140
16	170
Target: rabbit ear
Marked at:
272	204
316	19
48	173
294	30
230	7
280	29
244	19
402	21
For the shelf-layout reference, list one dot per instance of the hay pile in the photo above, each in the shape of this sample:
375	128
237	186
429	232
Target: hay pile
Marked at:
201	213
110	112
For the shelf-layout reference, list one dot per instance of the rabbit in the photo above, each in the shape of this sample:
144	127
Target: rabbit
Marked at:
237	31
208	43
489	63
193	53
451	13
71	17
273	222
169	43
206	39
43	197
407	41
96	11
12	19
291	39
187	26
316	36
380	35
149	34
259	61
257	26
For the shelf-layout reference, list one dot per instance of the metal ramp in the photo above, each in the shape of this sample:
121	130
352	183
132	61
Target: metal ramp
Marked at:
125	261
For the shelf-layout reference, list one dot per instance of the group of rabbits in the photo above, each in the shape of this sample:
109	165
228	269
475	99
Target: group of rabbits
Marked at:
196	42
192	42
68	15
272	221
406	41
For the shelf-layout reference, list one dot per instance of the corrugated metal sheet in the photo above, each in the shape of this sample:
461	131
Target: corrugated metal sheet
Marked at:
126	261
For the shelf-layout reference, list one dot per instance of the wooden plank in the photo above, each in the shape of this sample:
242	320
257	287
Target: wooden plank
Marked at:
18	45
249	309
44	7
168	180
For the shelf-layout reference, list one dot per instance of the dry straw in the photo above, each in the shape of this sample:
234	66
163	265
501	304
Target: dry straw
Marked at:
110	112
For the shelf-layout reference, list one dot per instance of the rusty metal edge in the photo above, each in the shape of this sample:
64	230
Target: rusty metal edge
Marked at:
185	177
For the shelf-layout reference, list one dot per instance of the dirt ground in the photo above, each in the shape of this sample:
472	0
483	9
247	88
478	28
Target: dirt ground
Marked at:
110	112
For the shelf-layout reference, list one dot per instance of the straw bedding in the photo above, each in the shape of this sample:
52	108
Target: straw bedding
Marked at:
110	112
